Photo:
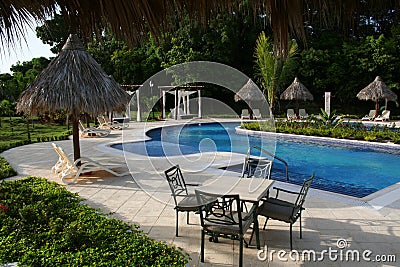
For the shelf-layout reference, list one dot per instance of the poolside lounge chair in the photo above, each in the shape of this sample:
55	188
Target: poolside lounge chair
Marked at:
290	114
279	209
384	117
245	114
256	114
303	114
223	216
69	171
184	202
120	120
92	131
105	123
370	116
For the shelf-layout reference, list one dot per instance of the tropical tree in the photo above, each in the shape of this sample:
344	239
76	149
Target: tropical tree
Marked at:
270	65
128	19
6	108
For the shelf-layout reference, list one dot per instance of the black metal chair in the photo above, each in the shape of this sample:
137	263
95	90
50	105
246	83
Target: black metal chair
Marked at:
184	202
257	167
286	211
222	216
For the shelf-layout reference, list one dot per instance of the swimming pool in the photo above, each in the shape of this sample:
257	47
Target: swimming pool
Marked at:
351	171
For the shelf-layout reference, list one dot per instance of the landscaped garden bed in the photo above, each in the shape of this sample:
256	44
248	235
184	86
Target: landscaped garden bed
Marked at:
43	224
354	131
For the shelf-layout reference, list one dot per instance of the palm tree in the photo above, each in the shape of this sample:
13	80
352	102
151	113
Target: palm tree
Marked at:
128	19
270	64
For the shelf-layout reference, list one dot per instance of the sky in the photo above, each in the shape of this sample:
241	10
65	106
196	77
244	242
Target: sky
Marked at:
33	47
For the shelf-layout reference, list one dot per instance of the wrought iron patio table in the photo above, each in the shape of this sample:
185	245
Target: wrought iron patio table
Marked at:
249	190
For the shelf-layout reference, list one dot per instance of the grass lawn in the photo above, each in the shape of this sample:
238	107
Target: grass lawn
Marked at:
14	132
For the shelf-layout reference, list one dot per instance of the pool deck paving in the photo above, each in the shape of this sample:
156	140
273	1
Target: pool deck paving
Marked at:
144	198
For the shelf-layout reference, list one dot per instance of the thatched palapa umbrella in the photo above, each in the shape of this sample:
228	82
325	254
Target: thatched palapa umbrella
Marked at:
249	92
375	91
297	91
73	82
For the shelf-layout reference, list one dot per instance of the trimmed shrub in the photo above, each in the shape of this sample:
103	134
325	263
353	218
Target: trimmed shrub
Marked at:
43	224
6	169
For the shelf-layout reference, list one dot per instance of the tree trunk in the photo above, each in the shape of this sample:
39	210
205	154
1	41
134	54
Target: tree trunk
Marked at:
75	138
87	117
27	128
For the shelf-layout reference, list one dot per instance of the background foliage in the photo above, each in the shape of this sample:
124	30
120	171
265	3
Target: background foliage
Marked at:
331	60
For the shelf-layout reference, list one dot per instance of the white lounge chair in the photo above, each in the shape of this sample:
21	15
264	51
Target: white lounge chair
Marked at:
303	114
370	116
245	114
384	117
290	114
69	171
120	120
257	114
105	123
92	131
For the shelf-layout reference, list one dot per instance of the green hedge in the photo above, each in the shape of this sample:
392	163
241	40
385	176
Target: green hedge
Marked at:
42	138
5	169
342	131
42	224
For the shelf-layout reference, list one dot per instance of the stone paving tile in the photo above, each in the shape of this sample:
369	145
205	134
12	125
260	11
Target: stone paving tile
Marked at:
325	220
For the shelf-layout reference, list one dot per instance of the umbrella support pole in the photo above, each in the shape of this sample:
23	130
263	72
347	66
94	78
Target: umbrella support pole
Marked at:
75	138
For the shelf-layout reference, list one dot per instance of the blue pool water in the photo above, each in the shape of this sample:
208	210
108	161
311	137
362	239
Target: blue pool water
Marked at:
355	172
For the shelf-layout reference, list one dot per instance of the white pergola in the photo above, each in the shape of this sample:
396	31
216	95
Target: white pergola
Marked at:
181	95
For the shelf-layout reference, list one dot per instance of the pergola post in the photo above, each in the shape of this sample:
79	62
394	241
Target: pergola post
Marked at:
187	104
139	113
184	103
163	104
199	96
176	103
179	103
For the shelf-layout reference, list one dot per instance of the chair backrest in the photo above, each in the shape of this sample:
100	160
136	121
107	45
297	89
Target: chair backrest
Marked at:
219	210
176	182
371	113
290	113
302	112
386	114
101	120
303	192
81	127
63	157
245	112
257	167
256	112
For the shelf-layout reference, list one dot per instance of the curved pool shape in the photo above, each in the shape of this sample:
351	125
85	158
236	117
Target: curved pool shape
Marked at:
354	172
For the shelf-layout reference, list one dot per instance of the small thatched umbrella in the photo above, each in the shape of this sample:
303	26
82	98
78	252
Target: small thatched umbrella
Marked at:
249	92
297	91
375	91
73	82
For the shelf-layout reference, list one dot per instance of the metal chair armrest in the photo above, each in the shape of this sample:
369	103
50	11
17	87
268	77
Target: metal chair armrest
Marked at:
191	184
290	205
284	190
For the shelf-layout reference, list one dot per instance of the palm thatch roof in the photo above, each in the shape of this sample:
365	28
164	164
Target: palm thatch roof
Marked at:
73	82
377	90
249	92
129	19
296	91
